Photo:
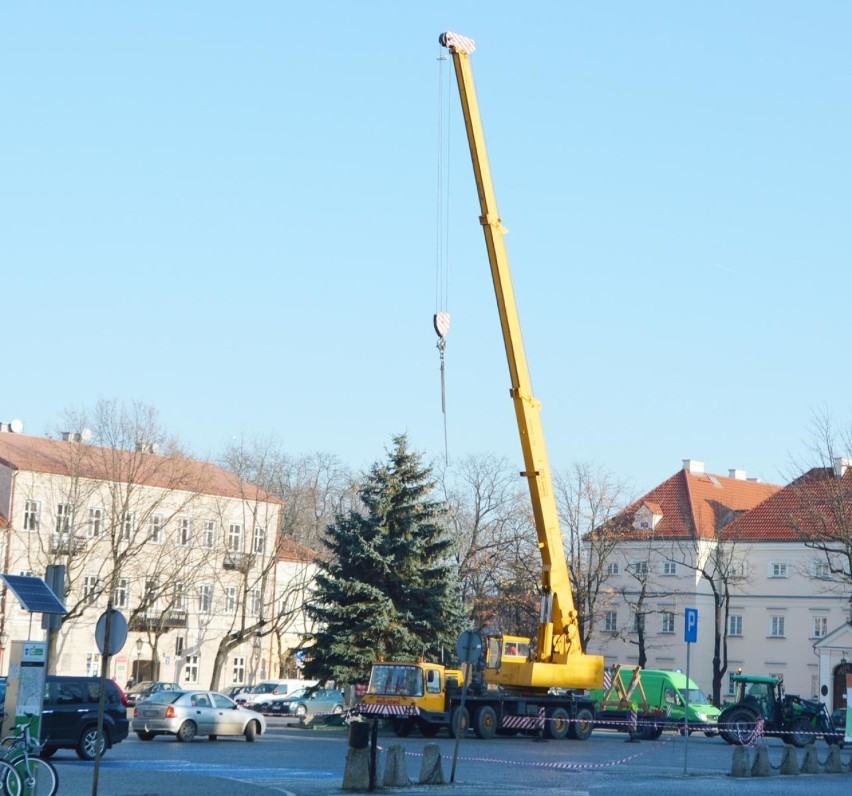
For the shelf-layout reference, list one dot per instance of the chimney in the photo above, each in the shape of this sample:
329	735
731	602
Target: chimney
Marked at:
13	427
737	475
693	466
72	436
841	465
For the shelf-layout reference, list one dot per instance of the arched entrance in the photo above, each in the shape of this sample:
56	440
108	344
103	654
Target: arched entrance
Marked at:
839	680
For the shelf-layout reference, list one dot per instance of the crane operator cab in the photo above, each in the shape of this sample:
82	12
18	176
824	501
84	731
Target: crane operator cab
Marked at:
506	649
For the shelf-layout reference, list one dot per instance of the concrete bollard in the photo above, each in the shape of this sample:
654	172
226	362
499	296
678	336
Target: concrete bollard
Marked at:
789	762
833	764
356	773
396	773
431	772
760	766
810	763
739	768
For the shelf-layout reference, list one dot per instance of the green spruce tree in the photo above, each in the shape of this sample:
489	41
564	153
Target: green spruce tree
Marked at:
389	588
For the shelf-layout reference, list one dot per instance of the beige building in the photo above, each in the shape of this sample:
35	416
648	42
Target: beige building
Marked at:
700	541
189	554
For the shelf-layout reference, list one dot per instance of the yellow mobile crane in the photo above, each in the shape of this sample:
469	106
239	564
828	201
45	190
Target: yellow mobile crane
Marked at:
532	682
559	660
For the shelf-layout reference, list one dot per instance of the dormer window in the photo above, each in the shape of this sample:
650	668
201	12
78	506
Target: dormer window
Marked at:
647	516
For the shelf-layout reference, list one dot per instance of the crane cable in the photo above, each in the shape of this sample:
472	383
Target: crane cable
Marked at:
441	318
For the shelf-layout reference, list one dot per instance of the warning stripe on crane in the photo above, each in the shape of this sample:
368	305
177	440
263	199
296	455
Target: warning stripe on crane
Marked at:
457	42
387	710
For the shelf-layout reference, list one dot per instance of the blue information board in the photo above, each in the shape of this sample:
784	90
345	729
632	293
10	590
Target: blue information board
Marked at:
690	626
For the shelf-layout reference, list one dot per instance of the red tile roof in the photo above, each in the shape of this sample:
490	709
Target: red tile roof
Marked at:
293	551
38	454
694	505
817	505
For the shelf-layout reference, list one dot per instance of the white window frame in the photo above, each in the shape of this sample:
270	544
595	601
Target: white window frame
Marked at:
776	626
205	599
190	669
638	622
121	595
185	531
95	528
239	671
93	664
668	623
669	568
32	515
820	626
179	596
259	540
640	567
779	569
611	622
64	516
735	625
612	568
155	528
231	599
208	534
91	588
256	602
127	521
235	537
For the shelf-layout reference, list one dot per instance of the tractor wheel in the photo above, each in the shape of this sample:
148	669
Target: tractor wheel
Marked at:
740	727
801	732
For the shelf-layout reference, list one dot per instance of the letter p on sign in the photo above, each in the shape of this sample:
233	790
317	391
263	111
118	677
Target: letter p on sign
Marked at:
690	626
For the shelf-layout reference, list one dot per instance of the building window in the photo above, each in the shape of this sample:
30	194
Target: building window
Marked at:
737	569
121	595
32	510
235	537
239	670
820	626
638	621
640	567
155	528
611	622
208	535
96	523
259	540
231	599
152	589
732	686
778	569
255	602
190	671
93	664
180	645
668	622
63	519
669	568
612	568
205	600
127	525
91	588
776	626
735	625
821	569
185	532
179	596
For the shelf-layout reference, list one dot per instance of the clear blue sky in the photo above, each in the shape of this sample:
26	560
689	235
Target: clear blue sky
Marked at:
228	211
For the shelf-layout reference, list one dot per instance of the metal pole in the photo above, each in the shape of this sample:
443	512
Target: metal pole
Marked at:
686	711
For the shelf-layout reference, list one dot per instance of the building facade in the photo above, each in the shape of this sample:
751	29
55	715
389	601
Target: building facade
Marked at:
189	554
736	551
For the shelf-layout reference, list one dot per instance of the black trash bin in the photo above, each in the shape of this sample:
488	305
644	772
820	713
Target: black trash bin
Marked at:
359	734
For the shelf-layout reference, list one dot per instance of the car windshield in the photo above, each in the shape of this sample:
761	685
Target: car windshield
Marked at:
302	693
163	697
696	696
139	687
264	688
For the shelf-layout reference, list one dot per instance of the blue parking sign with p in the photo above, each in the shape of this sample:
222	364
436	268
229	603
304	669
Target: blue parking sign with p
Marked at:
690	626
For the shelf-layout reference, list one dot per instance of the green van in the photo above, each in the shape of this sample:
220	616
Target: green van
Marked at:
668	696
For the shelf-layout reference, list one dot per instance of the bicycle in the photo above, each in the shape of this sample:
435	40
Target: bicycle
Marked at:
33	776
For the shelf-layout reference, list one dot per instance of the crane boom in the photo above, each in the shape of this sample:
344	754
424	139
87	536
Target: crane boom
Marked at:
559	658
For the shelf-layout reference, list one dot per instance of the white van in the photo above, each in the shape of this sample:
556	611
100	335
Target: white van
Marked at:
270	688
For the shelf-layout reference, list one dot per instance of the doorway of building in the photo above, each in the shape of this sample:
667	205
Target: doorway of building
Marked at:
839	690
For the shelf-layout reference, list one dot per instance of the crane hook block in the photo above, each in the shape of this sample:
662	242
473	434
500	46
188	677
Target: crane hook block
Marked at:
441	322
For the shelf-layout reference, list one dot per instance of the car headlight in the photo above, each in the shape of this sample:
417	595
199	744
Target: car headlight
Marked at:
701	716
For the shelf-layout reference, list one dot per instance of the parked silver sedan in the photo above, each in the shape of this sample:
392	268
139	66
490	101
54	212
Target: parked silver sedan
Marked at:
186	714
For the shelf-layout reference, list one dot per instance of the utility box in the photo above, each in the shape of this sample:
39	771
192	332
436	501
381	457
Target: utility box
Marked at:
25	686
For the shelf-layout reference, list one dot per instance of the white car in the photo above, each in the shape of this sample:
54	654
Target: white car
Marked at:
271	688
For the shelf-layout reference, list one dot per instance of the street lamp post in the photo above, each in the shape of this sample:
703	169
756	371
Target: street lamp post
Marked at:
139	644
4	641
255	657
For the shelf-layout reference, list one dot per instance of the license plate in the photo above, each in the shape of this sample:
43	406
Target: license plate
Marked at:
149	713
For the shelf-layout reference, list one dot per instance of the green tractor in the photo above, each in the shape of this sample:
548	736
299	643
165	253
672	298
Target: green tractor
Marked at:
762	699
